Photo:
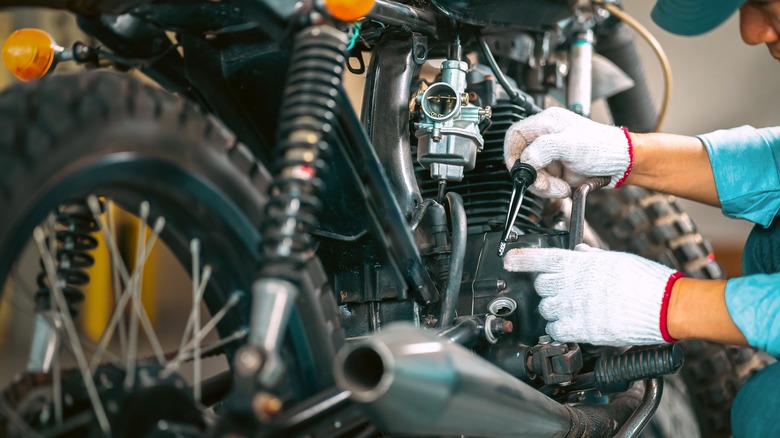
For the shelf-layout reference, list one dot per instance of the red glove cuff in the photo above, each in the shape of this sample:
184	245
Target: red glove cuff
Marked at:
665	305
630	158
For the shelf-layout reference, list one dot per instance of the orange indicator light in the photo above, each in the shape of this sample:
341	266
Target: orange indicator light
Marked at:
349	10
29	53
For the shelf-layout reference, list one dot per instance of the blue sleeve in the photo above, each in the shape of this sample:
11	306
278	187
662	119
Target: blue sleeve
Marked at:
753	303
745	164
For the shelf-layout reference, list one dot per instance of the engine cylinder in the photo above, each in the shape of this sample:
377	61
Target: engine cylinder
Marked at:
487	189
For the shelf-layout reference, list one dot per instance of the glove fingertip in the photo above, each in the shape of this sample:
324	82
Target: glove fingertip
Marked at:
526	260
548	310
514	144
553	329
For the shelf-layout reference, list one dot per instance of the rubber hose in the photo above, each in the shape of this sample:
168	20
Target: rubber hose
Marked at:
457	257
634	107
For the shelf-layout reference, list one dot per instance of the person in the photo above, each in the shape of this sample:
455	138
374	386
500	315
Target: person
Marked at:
612	298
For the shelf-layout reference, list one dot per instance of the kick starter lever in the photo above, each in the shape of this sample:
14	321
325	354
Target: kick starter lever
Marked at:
523	175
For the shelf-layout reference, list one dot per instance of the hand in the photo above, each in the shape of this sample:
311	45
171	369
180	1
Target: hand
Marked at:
566	149
599	297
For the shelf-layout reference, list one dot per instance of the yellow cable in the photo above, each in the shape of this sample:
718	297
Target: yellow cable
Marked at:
644	33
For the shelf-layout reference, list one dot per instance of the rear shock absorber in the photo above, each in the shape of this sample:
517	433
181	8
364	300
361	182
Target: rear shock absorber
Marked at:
307	114
74	244
308	117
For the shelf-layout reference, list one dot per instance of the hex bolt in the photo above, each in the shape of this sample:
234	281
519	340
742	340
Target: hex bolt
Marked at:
545	339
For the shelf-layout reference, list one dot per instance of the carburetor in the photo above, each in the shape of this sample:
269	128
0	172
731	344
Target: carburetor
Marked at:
448	129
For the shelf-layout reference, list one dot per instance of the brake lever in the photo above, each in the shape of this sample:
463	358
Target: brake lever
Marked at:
523	175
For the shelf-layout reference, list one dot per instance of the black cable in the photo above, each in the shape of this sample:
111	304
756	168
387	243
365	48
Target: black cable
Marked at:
516	96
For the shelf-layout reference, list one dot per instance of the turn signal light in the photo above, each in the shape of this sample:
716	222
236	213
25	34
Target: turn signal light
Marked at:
29	53
349	10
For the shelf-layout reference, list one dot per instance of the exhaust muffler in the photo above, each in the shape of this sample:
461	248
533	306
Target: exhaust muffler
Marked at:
412	382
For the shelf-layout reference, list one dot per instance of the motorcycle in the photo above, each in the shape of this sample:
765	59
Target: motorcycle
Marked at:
349	263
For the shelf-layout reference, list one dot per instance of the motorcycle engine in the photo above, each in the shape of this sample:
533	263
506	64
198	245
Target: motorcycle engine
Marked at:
486	287
370	300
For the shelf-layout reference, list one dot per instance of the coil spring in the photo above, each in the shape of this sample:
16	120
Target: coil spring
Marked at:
308	114
75	225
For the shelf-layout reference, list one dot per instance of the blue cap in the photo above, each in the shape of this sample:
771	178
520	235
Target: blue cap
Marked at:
693	17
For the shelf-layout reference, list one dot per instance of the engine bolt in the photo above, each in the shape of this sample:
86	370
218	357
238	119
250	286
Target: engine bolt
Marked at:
545	339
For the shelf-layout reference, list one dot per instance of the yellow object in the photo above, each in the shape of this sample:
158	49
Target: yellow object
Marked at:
349	10
100	300
29	53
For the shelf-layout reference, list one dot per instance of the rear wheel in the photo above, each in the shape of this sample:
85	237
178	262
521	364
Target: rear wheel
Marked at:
106	135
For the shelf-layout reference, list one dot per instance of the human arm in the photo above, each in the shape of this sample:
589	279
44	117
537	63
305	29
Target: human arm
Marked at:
697	310
675	164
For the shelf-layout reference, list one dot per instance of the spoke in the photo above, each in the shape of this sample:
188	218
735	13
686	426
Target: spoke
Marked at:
238	334
116	257
70	329
125	298
15	421
193	345
115	276
136	280
191	320
56	389
195	249
26	293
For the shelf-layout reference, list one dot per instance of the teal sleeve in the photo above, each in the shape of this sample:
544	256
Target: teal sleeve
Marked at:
753	303
747	176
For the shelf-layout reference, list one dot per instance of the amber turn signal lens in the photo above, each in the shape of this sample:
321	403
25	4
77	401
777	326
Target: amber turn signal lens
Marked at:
29	53
349	10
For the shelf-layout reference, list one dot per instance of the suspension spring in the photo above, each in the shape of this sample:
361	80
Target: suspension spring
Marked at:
308	117
74	243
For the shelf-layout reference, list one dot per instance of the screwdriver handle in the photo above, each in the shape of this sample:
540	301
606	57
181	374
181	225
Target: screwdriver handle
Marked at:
523	175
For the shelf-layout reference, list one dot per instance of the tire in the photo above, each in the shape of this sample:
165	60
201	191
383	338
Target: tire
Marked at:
106	134
652	225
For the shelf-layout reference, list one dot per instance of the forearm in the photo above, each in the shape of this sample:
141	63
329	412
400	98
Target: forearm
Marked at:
673	164
697	310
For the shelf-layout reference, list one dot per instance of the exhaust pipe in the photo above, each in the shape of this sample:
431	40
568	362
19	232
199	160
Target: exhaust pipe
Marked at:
413	382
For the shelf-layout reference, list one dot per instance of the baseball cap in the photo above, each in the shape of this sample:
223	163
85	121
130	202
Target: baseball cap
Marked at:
693	17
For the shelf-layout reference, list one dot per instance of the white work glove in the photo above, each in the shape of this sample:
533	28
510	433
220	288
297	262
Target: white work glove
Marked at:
566	149
598	297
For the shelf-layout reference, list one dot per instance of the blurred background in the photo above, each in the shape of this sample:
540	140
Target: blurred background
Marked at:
719	82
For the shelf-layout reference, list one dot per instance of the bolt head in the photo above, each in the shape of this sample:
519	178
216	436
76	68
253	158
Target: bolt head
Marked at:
248	361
